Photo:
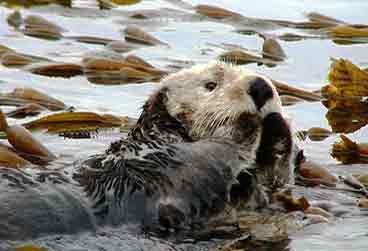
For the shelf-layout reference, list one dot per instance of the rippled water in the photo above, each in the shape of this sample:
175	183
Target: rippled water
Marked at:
307	67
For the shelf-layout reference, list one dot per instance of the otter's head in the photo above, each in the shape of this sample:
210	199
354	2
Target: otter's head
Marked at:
211	98
222	100
219	99
208	100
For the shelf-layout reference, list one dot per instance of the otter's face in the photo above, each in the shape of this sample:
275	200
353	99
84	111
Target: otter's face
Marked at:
210	99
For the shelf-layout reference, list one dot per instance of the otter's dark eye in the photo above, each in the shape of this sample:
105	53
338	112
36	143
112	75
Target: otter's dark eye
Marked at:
210	86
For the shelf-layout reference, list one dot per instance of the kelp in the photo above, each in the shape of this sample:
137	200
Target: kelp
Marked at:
317	211
350	152
23	141
65	122
363	203
288	89
31	109
55	69
136	34
25	95
288	100
347	120
348	31
91	39
15	59
271	53
312	174
129	70
125	2
291	37
215	12
9	158
318	133
30	3
363	178
38	26
14	19
121	46
289	202
318	17
346	96
352	181
38	65
240	57
348	79
271	49
4	49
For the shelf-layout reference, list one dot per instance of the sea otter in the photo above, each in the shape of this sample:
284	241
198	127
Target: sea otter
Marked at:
211	136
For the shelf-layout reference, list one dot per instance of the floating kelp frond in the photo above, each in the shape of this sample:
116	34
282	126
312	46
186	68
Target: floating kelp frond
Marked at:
272	50
55	69
288	100
135	34
318	133
15	19
349	80
132	69
15	59
4	49
76	122
122	46
318	17
215	12
30	3
347	120
312	174
91	40
125	2
38	26
23	141
346	96
9	158
24	95
348	31
289	202
31	109
240	57
287	89
349	152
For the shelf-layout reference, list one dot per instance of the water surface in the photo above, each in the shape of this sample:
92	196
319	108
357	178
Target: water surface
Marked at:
307	67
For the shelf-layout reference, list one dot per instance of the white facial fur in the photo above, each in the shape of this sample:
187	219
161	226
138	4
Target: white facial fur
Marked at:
209	109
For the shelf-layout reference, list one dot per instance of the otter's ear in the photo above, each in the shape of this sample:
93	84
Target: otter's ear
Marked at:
276	140
157	102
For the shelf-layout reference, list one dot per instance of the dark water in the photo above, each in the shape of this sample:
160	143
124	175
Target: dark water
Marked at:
190	40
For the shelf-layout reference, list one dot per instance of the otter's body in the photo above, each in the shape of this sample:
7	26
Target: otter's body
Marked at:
210	137
172	186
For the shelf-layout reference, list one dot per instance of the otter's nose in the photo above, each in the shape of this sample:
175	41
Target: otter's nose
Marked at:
260	91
